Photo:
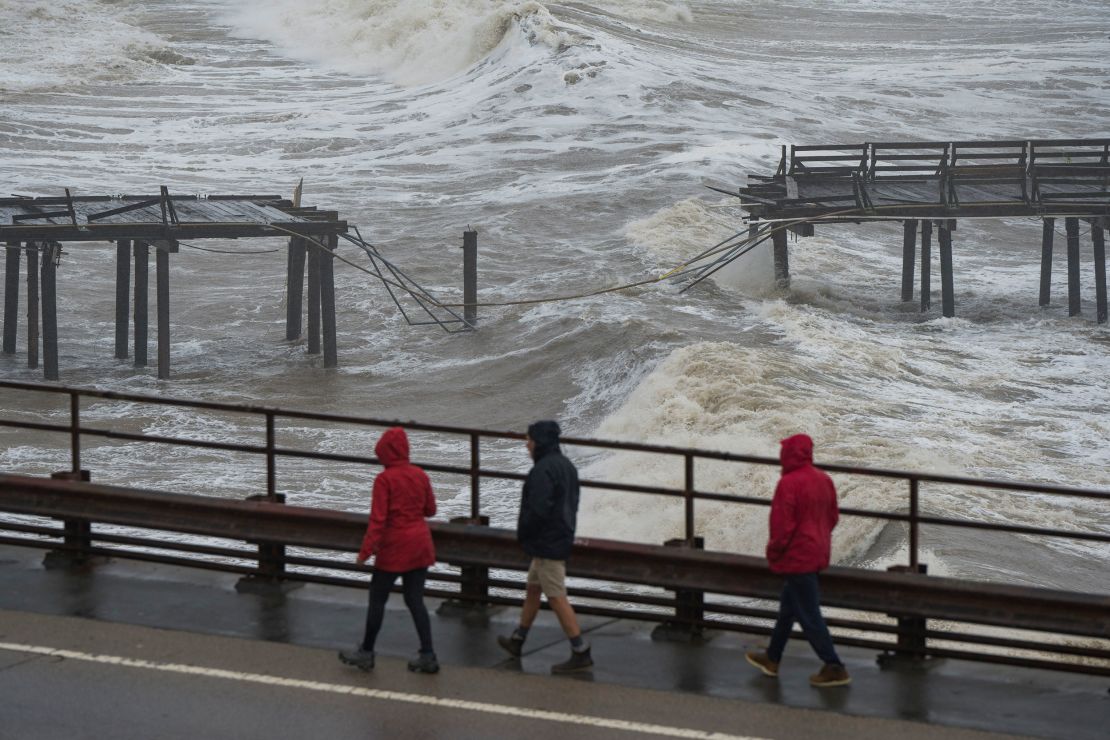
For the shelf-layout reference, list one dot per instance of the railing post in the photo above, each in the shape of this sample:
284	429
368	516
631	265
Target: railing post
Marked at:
914	512
473	584
689	606
475	477
911	644
271	473
688	500
269	578
77	533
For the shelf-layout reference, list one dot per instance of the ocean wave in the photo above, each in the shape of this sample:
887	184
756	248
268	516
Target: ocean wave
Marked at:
74	42
409	42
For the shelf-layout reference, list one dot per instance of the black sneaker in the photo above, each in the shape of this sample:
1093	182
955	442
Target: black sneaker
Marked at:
424	663
512	644
359	658
579	661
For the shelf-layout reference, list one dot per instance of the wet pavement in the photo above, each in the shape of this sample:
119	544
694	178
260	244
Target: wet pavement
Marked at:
202	621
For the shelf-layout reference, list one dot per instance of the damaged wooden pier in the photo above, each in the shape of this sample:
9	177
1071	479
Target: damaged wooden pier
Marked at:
38	227
932	185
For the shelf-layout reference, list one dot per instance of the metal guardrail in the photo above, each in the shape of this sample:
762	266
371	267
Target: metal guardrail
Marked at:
687	608
912	597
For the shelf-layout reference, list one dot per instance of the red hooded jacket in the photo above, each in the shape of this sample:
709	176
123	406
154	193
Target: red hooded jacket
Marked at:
803	512
397	533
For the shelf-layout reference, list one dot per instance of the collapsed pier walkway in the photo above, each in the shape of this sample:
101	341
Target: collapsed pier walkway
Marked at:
932	185
37	229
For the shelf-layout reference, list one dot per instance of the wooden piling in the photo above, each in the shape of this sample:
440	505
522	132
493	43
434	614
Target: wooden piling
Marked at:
162	278
781	257
11	297
909	249
1047	230
947	289
32	305
49	312
1071	226
313	299
327	301
926	265
470	277
123	295
294	288
1098	240
142	259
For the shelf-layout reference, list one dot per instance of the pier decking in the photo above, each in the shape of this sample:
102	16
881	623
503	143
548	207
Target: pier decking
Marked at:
928	185
39	227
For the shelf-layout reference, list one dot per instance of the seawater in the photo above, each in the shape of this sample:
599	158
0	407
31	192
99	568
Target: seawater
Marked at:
577	138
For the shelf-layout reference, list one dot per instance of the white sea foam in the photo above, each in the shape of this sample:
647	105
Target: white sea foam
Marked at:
410	42
69	43
679	233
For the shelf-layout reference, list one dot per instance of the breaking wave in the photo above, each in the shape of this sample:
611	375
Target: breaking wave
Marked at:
409	42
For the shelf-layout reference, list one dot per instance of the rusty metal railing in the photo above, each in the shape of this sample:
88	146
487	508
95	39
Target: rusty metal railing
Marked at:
475	582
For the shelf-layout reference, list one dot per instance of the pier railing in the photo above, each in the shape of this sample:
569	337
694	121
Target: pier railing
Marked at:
682	567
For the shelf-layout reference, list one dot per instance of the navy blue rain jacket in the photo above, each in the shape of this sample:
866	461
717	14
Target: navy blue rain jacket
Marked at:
549	502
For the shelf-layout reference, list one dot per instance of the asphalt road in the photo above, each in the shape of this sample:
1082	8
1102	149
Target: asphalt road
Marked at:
73	678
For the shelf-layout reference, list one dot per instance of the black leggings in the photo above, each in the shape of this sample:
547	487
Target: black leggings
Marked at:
381	583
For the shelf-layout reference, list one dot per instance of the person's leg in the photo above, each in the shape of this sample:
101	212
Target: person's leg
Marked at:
785	623
807	598
565	613
381	583
531	605
514	643
413	584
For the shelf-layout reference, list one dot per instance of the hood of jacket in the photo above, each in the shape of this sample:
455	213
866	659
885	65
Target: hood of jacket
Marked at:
393	447
796	452
545	435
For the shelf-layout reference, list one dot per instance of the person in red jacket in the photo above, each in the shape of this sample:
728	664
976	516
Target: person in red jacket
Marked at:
399	540
803	515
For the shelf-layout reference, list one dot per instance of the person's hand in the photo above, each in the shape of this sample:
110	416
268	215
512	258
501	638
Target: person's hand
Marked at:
359	560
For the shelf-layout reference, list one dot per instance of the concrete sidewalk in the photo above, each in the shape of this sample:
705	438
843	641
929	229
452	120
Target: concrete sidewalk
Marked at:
713	678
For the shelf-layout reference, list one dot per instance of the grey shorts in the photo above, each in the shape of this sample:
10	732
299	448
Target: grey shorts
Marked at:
550	576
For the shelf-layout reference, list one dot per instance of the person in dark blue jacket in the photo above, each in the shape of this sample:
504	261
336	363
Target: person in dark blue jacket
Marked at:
545	530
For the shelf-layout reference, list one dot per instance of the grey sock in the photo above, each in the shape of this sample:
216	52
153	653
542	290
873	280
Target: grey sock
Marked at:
521	633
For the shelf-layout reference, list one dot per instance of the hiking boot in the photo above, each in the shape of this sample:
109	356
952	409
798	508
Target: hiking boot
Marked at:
579	661
424	663
359	658
512	644
831	674
760	660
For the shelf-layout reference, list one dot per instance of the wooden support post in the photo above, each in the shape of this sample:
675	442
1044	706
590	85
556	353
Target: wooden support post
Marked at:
123	295
947	289
294	288
11	297
781	257
909	249
49	312
314	299
1098	240
470	277
327	301
142	261
1071	225
32	305
1047	228
926	265
162	278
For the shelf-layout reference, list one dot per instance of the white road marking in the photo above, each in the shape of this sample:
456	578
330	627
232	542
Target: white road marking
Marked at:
473	706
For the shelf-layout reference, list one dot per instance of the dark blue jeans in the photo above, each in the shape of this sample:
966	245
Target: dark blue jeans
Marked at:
801	603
